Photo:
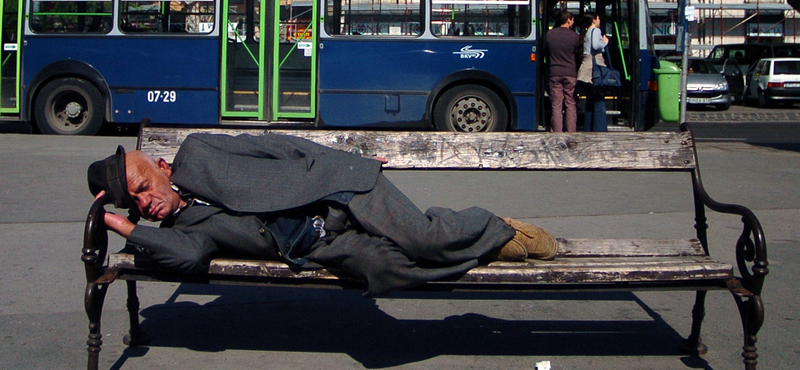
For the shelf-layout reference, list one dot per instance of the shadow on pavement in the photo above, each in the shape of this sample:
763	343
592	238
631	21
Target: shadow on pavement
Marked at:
344	322
14	127
794	147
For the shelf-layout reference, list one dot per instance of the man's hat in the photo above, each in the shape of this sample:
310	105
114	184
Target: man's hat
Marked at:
109	175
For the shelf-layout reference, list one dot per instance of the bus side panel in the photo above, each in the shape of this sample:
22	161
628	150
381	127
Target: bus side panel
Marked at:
526	112
169	80
648	100
379	110
363	83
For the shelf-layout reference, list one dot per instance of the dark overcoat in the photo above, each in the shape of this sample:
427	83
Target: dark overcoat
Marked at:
259	174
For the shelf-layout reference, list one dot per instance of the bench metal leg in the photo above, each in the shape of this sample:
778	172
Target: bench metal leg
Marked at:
751	309
694	344
135	336
93	301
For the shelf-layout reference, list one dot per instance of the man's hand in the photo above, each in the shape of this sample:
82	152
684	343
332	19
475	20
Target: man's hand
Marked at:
117	223
381	159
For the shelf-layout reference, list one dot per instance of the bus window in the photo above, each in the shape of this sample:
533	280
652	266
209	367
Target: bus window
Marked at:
167	16
71	16
374	17
505	18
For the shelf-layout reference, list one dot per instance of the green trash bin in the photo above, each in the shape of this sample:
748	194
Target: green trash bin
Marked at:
669	90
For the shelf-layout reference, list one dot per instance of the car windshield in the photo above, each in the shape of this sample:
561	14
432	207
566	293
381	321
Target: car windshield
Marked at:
696	65
701	66
787	67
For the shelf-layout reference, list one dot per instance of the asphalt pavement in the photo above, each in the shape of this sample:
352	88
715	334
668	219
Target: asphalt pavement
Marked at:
745	113
44	200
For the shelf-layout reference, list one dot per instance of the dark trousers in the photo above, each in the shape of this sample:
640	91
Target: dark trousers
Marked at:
594	116
394	245
562	91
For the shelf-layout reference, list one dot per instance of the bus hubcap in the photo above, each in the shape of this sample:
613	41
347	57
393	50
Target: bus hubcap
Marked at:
73	114
73	109
471	114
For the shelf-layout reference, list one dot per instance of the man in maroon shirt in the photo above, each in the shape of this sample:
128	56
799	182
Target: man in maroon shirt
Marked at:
560	43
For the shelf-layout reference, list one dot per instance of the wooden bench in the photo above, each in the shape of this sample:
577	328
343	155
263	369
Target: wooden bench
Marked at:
581	264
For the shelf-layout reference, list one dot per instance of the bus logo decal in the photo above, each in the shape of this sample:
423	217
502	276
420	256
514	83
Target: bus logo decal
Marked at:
467	52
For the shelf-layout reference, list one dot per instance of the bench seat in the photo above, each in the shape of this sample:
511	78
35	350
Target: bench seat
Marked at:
579	261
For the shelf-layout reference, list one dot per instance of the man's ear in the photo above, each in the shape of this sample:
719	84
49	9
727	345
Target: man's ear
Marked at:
162	165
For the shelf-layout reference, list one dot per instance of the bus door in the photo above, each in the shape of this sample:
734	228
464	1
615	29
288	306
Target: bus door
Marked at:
244	66
616	21
269	59
9	71
294	77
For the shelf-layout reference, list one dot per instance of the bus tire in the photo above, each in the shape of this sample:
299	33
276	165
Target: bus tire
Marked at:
69	106
470	108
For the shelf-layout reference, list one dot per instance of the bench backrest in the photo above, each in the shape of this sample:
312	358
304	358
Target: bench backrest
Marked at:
460	151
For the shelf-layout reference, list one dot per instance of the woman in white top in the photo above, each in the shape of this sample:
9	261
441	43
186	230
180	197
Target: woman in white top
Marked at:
594	42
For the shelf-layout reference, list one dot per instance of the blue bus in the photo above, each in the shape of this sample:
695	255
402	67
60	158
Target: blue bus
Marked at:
70	66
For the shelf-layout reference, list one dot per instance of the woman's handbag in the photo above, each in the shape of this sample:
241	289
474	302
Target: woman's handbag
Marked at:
603	76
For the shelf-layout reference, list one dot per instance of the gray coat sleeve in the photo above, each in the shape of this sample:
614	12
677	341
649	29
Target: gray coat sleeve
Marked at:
187	252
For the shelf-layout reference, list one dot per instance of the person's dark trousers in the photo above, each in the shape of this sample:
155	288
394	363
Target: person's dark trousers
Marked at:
397	246
562	91
594	117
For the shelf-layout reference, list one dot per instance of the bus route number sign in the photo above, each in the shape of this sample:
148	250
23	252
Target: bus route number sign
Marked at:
158	96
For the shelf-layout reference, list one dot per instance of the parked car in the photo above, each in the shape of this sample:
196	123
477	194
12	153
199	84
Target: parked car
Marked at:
705	85
734	60
774	80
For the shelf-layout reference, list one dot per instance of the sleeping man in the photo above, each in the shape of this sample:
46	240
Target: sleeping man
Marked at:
288	199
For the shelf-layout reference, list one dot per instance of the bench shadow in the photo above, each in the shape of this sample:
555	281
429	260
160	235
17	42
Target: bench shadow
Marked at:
793	147
335	321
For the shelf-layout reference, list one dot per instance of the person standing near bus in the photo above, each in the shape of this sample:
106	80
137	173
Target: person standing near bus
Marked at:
560	43
594	42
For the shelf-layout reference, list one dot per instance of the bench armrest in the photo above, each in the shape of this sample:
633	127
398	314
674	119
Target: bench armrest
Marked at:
95	239
751	247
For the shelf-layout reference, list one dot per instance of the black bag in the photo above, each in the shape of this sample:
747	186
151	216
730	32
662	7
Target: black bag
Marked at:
603	76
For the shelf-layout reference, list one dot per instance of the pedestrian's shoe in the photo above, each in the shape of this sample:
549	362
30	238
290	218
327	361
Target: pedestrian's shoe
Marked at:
511	252
538	243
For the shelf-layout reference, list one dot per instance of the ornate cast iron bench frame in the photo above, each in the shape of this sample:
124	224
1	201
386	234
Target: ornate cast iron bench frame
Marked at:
582	264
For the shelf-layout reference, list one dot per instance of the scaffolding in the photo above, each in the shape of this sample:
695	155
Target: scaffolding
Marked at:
725	22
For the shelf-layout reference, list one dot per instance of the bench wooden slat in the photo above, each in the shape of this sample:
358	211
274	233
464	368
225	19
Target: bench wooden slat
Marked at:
629	247
579	261
444	150
565	270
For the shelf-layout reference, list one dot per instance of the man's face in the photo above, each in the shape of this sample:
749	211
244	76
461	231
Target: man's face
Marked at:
149	185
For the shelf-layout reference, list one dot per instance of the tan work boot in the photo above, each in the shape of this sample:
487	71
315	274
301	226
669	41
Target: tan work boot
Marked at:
538	243
511	252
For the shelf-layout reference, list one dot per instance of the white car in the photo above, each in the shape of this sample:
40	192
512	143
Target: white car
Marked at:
773	80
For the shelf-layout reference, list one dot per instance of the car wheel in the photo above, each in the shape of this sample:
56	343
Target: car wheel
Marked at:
470	108
762	100
69	106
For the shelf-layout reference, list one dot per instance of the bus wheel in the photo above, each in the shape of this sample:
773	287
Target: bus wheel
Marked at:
69	106
470	109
